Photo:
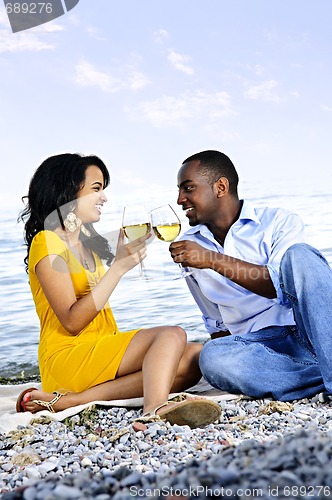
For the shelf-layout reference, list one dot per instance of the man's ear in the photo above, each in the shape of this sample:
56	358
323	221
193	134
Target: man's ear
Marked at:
221	187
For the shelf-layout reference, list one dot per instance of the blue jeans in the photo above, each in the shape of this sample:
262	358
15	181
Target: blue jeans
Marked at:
283	362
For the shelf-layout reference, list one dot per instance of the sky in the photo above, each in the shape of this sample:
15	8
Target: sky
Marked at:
146	83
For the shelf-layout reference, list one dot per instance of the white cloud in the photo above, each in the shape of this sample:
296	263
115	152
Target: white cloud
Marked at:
178	61
73	19
94	33
138	81
170	111
259	70
263	92
21	42
269	35
4	21
88	76
160	35
295	94
326	108
47	28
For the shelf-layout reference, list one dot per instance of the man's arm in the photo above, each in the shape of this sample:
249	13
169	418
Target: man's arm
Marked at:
253	277
260	279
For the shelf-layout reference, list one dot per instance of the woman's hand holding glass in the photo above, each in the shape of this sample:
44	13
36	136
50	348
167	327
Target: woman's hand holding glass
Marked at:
128	255
136	227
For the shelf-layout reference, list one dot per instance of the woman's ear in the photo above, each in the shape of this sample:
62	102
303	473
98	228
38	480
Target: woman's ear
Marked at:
221	187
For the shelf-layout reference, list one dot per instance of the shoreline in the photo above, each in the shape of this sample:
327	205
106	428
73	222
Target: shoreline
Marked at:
263	447
22	379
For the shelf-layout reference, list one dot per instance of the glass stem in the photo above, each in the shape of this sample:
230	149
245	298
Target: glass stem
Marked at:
185	271
142	270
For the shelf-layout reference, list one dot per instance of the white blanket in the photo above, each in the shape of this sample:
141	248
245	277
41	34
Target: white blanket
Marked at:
10	420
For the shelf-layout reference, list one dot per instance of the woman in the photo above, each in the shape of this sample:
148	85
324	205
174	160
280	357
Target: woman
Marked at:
83	357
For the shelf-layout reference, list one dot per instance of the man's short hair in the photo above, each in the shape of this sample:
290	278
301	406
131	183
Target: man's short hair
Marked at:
213	165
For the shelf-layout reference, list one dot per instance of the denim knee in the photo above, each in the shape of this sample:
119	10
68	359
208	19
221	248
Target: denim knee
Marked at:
205	358
216	362
299	253
209	362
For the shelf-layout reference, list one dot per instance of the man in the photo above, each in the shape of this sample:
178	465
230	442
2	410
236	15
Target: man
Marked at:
265	296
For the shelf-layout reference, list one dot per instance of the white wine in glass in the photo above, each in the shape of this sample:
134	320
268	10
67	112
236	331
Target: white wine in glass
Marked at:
167	232
136	223
136	231
167	226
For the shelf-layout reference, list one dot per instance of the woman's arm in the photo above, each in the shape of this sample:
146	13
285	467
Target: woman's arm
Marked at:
75	314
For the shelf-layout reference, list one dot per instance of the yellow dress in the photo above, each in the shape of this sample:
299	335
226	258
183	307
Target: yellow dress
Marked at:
66	361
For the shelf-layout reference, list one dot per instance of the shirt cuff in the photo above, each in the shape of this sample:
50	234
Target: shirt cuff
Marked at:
274	275
213	325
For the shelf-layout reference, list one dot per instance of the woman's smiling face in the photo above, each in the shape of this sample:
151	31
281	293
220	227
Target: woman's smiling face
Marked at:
91	196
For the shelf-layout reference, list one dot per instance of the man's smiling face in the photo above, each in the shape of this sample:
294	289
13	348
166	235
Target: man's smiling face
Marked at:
196	196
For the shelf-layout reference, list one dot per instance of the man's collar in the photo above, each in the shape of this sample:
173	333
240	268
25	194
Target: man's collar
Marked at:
247	213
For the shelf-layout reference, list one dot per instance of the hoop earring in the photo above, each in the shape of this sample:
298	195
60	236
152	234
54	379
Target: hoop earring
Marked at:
72	222
85	231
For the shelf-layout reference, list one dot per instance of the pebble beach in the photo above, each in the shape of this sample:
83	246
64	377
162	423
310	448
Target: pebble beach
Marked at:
258	449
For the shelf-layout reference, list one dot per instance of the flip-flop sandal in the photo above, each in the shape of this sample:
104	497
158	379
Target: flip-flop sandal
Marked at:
192	412
183	396
46	404
20	400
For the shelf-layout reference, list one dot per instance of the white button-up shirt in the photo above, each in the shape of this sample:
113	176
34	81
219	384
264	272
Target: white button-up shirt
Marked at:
260	236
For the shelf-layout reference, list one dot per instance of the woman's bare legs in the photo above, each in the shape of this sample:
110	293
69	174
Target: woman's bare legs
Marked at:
158	353
157	361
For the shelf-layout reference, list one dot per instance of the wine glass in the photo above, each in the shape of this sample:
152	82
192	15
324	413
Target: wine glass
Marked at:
167	226
136	223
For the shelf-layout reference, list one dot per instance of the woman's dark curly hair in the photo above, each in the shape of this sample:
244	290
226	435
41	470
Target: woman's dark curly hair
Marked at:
52	195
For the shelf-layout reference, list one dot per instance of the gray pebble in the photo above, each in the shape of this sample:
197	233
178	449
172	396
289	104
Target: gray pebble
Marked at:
64	492
246	449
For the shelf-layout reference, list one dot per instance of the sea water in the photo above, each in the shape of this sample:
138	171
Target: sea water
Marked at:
138	303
